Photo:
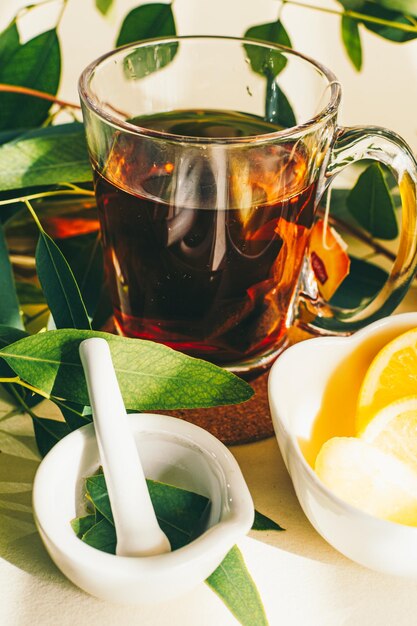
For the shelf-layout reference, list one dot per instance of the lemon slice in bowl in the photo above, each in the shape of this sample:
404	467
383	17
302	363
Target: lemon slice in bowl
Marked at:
394	430
369	479
391	376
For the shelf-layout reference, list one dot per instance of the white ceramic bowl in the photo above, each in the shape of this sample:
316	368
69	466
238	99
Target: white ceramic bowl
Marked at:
307	378
172	451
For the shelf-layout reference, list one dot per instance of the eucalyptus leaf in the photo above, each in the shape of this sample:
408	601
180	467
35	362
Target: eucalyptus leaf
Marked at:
180	513
264	523
9	42
352	41
387	32
59	285
233	584
104	6
9	135
407	7
151	376
48	432
75	415
101	536
371	204
45	157
147	21
264	61
9	304
352	5
363	282
8	335
104	309
85	257
278	109
35	64
80	525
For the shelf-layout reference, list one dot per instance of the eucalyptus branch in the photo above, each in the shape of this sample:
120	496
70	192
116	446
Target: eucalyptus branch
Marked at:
35	93
73	191
21	401
360	17
16	380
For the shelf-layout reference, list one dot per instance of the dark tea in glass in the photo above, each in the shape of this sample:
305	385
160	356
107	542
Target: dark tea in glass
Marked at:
202	256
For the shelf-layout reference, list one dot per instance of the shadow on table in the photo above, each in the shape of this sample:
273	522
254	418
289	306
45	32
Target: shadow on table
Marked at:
20	543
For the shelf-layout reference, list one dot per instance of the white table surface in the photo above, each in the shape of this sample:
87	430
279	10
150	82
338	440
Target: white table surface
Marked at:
302	580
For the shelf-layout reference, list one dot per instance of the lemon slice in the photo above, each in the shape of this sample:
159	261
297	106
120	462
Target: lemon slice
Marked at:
391	376
369	479
394	430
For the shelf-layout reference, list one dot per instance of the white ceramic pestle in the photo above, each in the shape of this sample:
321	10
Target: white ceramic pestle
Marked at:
137	529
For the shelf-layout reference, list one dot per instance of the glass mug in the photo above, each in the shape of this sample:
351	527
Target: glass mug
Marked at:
207	182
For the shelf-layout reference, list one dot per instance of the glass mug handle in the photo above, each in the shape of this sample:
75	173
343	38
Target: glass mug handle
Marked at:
351	145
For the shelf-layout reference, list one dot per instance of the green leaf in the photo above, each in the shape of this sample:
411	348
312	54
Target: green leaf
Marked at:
9	304
9	335
262	522
371	204
9	43
80	525
142	23
387	32
9	135
352	41
37	65
28	293
278	110
363	282
232	582
352	5
75	415
59	285
145	22
264	61
104	309
44	157
151	375
85	257
407	7
181	514
101	536
104	6
48	433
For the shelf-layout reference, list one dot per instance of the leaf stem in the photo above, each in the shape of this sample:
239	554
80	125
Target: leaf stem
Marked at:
22	402
409	28
35	93
33	214
18	381
77	191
